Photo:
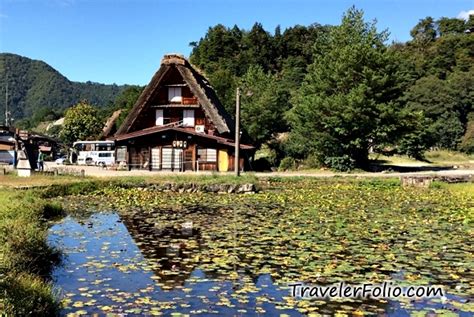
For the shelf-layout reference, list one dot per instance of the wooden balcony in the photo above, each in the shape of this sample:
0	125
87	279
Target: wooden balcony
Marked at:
189	101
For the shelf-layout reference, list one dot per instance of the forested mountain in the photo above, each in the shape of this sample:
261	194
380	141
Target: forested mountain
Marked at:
37	92
342	90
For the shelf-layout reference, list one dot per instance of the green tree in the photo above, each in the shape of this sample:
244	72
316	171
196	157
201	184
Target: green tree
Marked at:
467	142
425	31
348	101
259	47
451	26
125	101
81	122
446	104
264	104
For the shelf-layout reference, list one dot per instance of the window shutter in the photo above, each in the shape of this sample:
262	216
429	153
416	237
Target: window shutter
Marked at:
174	94
188	118
159	117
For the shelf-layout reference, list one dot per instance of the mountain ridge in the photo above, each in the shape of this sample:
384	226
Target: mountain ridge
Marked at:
35	88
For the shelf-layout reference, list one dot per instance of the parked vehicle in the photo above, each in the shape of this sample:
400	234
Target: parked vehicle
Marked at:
61	160
100	153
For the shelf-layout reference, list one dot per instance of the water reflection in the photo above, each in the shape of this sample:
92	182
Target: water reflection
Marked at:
106	270
167	248
152	263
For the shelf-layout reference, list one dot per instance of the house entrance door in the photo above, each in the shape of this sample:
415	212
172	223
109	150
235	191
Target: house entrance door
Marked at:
223	161
188	160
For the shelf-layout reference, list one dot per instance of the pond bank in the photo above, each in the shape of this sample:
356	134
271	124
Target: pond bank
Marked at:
26	259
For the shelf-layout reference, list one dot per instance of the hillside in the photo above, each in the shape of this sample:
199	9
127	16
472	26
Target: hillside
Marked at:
35	88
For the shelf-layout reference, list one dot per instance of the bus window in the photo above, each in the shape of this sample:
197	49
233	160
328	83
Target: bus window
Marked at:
105	147
88	147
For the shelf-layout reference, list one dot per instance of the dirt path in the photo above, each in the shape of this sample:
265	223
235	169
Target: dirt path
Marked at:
95	171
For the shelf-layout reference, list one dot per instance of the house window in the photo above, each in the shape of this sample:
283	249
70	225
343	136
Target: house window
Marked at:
159	120
188	118
122	154
174	94
207	155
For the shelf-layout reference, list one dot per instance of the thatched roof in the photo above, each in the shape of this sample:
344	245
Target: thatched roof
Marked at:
110	124
198	85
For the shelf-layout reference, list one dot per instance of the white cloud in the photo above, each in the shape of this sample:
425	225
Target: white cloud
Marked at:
465	14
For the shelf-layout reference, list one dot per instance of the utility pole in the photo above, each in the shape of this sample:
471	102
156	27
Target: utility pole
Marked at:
7	119
237	133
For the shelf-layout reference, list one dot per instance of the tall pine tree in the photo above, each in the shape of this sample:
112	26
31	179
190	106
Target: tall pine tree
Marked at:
348	100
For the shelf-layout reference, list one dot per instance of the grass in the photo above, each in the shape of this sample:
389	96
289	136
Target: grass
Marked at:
444	156
436	157
459	188
26	259
395	159
11	180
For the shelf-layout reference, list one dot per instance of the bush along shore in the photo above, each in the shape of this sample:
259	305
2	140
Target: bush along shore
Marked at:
26	259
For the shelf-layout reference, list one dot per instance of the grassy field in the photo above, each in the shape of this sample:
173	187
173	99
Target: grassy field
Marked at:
25	258
437	158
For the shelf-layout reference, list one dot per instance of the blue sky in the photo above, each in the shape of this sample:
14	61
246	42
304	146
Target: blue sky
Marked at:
122	41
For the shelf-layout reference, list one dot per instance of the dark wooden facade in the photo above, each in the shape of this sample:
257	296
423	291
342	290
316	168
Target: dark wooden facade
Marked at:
178	124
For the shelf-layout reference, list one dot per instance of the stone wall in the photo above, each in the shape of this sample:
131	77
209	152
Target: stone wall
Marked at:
425	181
202	188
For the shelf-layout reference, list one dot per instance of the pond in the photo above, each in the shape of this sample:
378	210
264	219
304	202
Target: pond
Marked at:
138	252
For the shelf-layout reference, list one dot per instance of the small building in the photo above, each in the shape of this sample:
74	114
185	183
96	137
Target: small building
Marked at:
7	145
178	124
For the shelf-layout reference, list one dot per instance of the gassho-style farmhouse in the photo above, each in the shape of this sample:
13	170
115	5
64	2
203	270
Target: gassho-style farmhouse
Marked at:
179	124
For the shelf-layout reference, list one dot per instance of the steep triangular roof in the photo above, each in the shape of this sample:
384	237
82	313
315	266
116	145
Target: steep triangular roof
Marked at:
198	85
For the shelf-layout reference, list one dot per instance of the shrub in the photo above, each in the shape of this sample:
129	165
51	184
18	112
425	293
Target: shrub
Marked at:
340	163
52	210
312	161
288	163
262	164
467	143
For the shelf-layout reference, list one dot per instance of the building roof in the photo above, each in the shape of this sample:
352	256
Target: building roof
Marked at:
158	129
110	123
198	85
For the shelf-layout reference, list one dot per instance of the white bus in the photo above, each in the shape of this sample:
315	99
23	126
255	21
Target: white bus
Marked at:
100	153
